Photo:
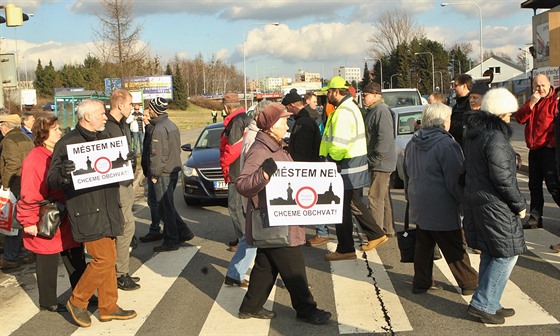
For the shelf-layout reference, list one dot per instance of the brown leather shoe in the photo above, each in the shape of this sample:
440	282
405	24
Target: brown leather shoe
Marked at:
119	314
317	240
375	243
336	256
80	316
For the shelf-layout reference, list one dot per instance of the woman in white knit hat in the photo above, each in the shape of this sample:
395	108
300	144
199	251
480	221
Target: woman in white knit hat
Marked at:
493	205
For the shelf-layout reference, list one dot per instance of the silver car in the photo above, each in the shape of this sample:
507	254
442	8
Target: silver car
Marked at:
406	122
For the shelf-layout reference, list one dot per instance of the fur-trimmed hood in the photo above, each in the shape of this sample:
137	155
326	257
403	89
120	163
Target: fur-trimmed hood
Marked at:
477	122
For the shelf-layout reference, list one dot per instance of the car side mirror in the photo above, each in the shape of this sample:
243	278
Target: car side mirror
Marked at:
187	148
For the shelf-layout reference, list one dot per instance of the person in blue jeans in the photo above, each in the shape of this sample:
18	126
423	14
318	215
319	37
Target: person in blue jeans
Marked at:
493	204
163	171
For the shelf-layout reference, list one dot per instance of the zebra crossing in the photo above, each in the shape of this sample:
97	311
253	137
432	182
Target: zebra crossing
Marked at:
365	298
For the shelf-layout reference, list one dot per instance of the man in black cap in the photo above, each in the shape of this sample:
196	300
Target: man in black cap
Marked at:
381	154
478	91
305	138
165	165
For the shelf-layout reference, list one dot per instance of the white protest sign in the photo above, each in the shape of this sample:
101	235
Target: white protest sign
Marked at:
100	162
305	193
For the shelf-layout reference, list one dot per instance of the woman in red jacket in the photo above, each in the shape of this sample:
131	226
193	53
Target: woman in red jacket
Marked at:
34	188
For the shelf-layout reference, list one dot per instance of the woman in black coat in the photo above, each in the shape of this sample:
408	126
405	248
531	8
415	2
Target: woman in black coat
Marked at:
493	205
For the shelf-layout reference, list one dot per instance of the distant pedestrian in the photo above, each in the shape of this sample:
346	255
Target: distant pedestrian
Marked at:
214	116
136	128
435	97
494	205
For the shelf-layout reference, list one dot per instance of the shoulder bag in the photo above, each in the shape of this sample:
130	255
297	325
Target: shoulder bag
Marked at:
266	236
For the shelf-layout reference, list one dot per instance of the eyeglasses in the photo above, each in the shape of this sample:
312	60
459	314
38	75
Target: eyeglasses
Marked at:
457	84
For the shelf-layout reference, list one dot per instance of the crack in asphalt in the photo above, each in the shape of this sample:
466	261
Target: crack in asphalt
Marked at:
389	327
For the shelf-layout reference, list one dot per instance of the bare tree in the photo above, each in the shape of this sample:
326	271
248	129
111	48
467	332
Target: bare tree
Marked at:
393	28
118	39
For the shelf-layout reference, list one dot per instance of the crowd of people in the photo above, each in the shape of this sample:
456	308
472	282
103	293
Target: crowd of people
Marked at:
459	156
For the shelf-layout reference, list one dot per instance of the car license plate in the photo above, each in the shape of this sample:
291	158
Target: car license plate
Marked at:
220	185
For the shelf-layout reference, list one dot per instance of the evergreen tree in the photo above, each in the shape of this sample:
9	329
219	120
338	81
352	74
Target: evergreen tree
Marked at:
367	77
179	92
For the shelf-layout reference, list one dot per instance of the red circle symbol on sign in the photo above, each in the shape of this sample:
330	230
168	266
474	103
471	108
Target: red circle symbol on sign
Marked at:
102	165
306	197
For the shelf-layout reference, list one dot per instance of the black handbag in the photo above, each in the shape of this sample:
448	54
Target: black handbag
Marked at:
406	240
50	217
266	236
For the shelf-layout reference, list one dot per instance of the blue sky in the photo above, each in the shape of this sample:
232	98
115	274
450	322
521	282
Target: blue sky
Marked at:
313	35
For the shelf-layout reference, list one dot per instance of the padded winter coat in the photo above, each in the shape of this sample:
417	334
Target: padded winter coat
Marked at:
492	197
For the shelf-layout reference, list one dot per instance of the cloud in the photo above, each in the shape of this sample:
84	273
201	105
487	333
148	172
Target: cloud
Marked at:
313	42
489	9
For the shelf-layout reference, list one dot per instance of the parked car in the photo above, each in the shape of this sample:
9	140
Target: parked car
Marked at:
202	175
406	121
402	97
50	106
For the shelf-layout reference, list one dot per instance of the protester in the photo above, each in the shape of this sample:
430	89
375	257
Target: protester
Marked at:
432	166
305	138
14	148
165	165
231	141
27	120
287	261
154	233
136	128
462	84
344	143
435	97
34	189
244	254
538	114
381	154
493	205
478	91
95	217
117	126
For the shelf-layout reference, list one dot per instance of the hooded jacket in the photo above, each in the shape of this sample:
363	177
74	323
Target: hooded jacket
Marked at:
492	197
433	162
235	125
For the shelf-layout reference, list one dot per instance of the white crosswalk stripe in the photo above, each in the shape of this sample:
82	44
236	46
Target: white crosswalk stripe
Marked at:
365	297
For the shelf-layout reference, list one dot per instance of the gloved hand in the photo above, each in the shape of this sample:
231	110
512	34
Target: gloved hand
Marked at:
131	156
522	213
269	166
67	167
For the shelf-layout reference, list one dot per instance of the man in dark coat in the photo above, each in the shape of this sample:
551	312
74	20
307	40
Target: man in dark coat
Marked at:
305	138
96	219
116	126
463	85
165	165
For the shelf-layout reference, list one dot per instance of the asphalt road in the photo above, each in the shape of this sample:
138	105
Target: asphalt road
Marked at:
182	292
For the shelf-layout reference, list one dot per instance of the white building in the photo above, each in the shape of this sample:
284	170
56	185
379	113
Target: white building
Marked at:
504	70
304	76
350	74
273	83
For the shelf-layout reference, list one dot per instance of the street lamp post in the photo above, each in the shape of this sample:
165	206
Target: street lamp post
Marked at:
443	4
391	79
433	74
244	64
380	68
441	81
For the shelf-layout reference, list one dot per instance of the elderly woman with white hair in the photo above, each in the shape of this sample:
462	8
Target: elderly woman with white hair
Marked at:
493	204
432	166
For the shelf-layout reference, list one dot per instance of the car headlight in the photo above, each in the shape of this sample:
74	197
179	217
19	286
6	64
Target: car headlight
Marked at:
189	171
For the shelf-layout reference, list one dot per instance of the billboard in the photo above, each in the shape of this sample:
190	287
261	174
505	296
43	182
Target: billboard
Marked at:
151	86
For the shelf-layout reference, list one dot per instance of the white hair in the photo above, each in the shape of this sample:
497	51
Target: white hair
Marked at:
435	115
88	106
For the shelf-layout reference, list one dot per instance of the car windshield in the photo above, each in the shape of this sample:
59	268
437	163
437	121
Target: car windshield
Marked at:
210	138
407	122
401	98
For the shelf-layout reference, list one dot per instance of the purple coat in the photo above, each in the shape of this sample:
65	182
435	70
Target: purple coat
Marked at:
251	182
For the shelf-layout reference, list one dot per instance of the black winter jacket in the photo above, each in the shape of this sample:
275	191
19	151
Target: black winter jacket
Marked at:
94	212
492	197
305	137
165	148
458	117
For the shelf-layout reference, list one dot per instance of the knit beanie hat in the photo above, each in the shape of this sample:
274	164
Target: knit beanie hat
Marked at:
499	101
291	97
158	105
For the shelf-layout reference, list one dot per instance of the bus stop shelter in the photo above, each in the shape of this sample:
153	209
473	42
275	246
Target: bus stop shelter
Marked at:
66	103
